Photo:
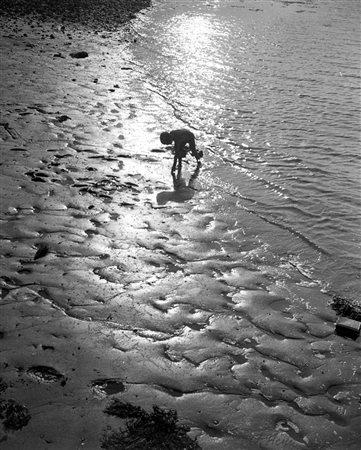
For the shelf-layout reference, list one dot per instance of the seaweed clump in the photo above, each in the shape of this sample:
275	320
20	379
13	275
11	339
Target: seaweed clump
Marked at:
346	307
13	415
3	385
157	430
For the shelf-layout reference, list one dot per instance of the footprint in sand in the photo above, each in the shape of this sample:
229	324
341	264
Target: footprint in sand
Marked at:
38	177
46	374
109	386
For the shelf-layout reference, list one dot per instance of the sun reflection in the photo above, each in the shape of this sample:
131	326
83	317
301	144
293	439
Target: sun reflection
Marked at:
193	38
193	34
196	65
194	43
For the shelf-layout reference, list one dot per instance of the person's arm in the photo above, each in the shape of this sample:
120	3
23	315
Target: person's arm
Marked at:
192	146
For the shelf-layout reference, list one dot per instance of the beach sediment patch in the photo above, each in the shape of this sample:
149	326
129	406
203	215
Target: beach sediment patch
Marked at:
104	15
147	430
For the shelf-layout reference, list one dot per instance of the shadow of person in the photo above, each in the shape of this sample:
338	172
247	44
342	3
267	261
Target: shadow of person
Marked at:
182	191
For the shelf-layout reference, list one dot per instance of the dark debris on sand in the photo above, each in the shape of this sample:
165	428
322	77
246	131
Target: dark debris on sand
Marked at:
346	307
102	15
13	415
157	430
3	385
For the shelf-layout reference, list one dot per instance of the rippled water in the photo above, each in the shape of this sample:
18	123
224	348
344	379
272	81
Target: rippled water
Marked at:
271	90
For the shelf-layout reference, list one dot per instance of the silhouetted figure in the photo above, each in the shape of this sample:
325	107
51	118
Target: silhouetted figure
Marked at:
182	191
184	142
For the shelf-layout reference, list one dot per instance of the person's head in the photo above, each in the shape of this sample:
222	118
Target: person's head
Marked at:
166	138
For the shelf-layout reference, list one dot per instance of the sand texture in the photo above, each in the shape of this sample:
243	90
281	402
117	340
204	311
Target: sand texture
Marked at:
121	283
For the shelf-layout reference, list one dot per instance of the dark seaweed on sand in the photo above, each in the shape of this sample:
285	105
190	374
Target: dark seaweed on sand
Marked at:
346	307
96	14
157	430
13	415
3	385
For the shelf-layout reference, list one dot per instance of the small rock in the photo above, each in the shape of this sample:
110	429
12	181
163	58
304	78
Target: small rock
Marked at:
79	55
63	118
42	251
348	328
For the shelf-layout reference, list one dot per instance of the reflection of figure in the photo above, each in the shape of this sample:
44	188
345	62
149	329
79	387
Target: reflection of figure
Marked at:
180	138
182	191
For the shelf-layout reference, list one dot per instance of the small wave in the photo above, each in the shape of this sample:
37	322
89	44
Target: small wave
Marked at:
293	231
345	75
251	174
230	190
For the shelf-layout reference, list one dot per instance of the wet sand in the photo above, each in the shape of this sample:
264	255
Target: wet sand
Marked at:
116	285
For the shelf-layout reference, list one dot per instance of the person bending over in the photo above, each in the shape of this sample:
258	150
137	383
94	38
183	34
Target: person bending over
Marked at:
183	143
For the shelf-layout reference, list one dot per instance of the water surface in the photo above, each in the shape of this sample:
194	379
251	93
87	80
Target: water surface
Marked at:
271	89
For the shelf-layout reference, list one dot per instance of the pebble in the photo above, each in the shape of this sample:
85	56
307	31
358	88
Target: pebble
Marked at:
79	55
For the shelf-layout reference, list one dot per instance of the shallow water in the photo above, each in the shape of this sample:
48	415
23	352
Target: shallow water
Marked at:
271	90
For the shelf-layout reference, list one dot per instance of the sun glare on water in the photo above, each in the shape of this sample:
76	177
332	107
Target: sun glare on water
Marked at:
192	43
193	34
193	39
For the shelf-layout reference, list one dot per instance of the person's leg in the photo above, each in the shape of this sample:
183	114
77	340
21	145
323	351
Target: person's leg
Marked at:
194	176
174	163
194	152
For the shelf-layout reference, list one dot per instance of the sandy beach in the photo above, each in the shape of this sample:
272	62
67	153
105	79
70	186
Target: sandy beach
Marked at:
78	228
116	287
